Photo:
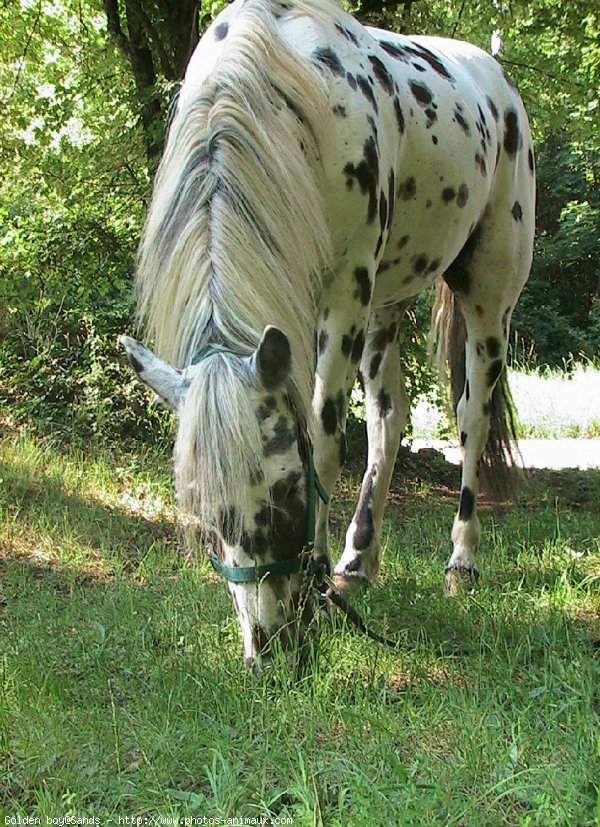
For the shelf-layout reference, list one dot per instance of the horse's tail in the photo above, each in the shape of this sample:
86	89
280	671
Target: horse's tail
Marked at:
499	470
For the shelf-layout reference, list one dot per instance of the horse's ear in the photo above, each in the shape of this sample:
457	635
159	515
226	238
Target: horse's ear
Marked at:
164	380
273	358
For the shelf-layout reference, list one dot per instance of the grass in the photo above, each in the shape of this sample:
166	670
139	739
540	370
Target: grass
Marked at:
121	691
550	405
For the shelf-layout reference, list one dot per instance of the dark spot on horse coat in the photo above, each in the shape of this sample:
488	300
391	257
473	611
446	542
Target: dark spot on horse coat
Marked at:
384	403
323	340
340	111
361	275
358	347
347	342
221	31
492	346
448	194
530	160
351	80
421	263
480	162
463	438
382	74
467	390
287	517
512	136
394	50
432	59
421	92
460	120
367	175
374	366
493	109
403	241
383	212
367	91
354	565
431	116
365	530
328	58
284	437
463	196
399	116
266	408
135	363
329	417
517	212
494	371
467	504
407	190
347	34
391	197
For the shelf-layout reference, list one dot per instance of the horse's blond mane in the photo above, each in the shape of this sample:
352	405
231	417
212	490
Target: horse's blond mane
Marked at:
236	237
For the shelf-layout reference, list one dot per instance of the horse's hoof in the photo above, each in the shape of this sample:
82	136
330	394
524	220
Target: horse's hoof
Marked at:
347	584
459	578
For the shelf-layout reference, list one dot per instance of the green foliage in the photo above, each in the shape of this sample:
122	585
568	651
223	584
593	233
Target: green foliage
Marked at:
558	311
75	184
71	205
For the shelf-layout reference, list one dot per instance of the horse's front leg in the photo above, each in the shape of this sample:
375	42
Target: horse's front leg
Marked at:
340	345
387	411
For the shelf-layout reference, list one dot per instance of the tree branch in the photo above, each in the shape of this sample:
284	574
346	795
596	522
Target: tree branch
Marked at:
458	18
113	21
503	61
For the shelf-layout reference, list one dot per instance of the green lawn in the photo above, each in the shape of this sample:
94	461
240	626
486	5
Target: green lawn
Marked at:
122	694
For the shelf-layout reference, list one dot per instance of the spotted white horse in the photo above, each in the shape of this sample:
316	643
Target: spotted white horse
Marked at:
317	176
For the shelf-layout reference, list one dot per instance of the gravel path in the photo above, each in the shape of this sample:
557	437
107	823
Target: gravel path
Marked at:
537	453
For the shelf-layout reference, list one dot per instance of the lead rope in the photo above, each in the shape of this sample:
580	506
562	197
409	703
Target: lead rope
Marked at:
353	616
314	487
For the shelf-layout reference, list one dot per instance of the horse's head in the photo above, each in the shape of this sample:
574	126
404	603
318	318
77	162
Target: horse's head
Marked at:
243	469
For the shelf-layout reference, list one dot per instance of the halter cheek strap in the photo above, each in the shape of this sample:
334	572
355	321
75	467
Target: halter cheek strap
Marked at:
279	568
294	565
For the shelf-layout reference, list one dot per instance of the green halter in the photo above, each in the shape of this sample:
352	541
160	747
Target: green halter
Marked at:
279	568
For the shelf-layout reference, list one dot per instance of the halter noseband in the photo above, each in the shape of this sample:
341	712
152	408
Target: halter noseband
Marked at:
279	568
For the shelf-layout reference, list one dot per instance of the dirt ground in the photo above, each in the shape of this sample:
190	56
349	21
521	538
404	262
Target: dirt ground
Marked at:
568	469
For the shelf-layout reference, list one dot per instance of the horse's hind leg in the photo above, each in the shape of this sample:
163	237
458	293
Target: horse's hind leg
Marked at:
486	278
387	411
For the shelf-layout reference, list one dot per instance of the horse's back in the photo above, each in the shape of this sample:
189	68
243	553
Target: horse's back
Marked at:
426	137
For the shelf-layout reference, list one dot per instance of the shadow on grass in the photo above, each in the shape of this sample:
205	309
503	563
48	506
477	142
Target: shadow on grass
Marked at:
44	503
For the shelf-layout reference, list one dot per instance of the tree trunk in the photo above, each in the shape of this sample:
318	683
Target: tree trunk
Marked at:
156	39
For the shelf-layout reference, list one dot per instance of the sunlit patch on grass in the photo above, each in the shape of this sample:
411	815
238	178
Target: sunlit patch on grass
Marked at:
122	692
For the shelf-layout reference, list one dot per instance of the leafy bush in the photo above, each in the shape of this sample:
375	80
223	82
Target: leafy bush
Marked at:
557	315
